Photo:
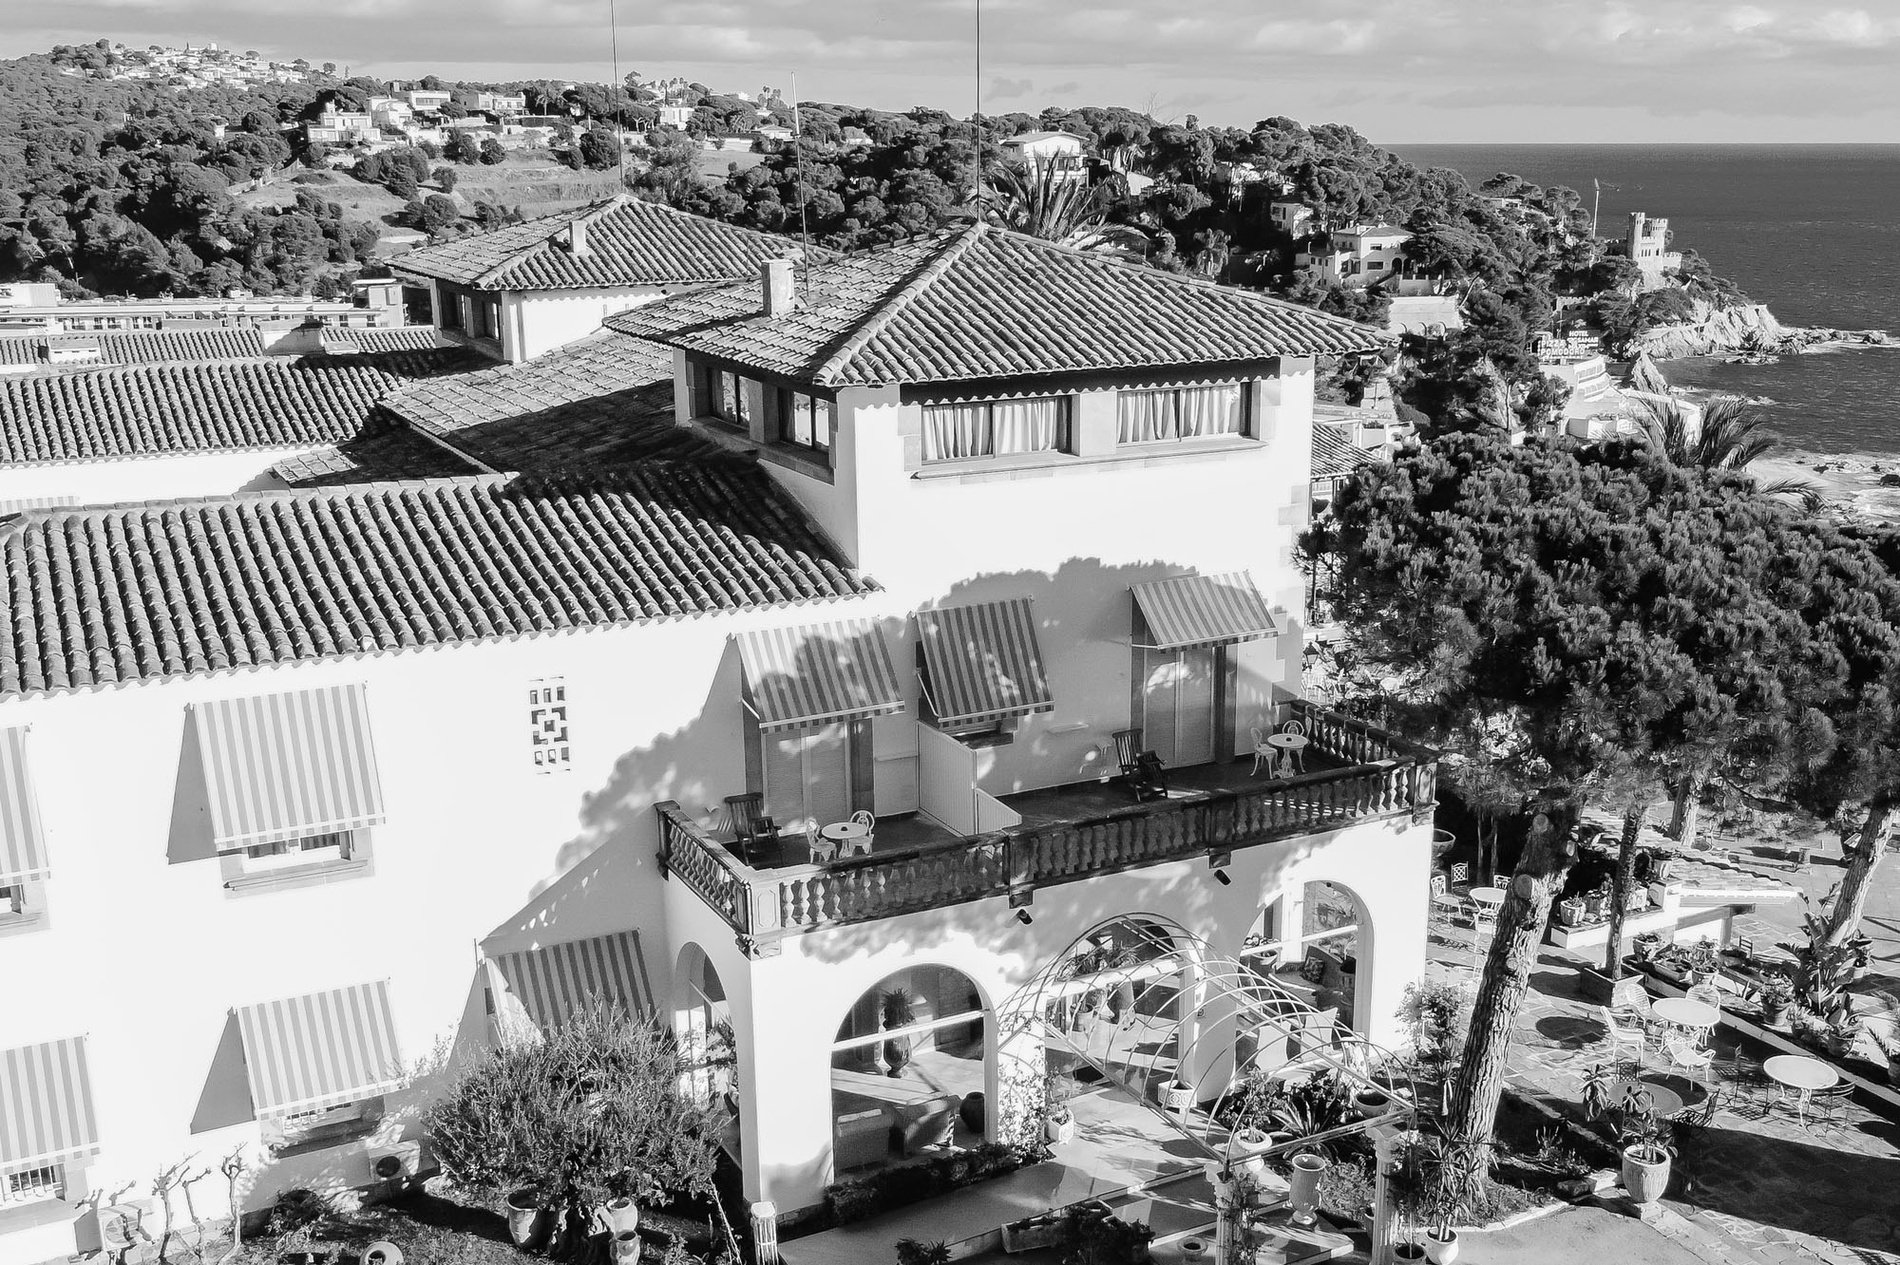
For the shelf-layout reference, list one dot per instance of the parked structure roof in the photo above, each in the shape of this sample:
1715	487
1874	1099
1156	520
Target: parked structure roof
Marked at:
138	346
628	242
978	302
604	400
109	595
154	410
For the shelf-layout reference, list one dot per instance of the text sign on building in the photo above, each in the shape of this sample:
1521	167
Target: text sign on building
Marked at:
547	723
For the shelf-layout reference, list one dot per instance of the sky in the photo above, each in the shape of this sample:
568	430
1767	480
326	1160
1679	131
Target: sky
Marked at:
1401	71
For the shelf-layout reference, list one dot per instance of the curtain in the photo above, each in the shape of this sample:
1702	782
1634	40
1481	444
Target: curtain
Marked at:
1211	410
1145	416
954	431
1026	425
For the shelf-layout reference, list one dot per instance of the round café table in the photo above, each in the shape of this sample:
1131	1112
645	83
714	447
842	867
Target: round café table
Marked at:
852	837
1290	747
1803	1075
1486	902
1664	1101
1692	1016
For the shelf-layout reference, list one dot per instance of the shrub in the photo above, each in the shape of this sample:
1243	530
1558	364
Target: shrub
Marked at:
856	1198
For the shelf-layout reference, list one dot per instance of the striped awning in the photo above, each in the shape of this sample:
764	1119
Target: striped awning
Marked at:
280	766
22	846
321	1049
803	677
45	1105
557	981
1203	610
984	662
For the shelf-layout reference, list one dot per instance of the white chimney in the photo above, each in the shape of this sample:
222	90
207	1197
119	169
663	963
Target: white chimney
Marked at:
577	237
775	277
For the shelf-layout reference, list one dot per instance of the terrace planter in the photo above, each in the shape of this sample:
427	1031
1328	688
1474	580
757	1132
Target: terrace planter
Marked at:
621	1215
1441	1249
1645	1173
1774	1013
1177	1097
1570	912
1604	991
528	1221
1059	1130
1596	908
1032	1234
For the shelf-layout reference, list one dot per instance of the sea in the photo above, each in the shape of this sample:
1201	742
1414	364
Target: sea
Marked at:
1813	231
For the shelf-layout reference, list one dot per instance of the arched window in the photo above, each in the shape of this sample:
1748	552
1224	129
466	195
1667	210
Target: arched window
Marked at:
907	1059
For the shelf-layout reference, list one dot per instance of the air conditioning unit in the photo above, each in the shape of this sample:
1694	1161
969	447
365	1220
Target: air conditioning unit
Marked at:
394	1161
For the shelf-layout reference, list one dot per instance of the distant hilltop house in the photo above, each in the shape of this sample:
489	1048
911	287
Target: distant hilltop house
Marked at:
524	290
492	102
390	112
676	116
1649	249
429	100
1041	151
343	127
1366	254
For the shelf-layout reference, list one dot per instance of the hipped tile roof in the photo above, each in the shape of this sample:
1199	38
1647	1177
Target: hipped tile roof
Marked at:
151	410
385	452
396	338
106	595
977	303
629	242
605	400
1334	454
138	346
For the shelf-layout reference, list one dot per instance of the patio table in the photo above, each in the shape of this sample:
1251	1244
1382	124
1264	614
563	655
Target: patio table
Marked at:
1664	1101
1803	1075
1680	1012
1289	746
849	837
1486	902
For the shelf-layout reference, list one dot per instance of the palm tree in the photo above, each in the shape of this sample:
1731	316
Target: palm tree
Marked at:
1731	436
1039	202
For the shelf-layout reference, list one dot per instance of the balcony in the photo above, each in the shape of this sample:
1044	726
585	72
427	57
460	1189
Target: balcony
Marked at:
1355	772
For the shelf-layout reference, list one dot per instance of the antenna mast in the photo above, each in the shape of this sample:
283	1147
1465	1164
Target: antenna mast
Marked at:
620	115
804	193
976	125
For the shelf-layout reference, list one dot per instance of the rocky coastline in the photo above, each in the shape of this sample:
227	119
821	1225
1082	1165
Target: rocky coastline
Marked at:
1748	328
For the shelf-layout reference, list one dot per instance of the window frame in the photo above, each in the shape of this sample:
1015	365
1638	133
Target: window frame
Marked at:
791	402
451	317
1065	427
13	1192
284	864
1247	418
324	1128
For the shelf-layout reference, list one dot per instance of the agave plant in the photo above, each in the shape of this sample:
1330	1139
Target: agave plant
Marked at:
1041	202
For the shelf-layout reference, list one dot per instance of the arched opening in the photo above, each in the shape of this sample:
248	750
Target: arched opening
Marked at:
907	1069
1120	992
702	1024
1310	940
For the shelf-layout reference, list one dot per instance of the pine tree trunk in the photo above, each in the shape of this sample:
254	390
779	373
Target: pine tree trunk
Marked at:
1687	816
1507	972
1862	860
1633	819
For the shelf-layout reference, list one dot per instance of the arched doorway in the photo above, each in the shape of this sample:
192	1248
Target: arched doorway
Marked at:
1121	993
702	1024
908	1067
1310	941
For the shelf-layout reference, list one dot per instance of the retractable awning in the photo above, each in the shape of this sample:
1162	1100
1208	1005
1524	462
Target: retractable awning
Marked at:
45	1105
321	1049
555	982
22	846
818	674
984	662
281	766
1203	610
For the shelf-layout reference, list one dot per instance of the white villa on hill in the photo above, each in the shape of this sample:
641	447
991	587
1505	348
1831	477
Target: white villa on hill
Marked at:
522	291
403	765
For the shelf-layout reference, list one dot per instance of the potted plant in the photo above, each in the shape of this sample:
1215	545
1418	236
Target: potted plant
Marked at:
1636	899
527	1218
1177	1096
1647	1152
1408	1183
1647	945
1058	1122
621	1214
1367	1103
1774	998
1570	911
900	1011
1843	1029
1889	1042
1662	866
1596	905
1245	1147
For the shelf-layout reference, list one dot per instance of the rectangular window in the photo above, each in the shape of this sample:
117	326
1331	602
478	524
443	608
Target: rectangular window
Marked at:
451	308
995	428
12	899
30	1185
308	850
1182	413
808	776
806	420
725	397
487	313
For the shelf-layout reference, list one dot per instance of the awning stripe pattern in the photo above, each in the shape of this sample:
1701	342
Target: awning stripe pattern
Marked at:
321	1049
558	981
45	1105
984	662
280	766
22	846
1204	610
820	673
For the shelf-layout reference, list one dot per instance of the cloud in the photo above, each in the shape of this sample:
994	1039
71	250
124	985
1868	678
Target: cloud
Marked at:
1529	69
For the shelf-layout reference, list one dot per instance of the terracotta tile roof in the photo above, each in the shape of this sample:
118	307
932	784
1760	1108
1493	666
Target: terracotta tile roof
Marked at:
398	338
629	242
138	346
149	410
381	454
976	303
106	595
1334	454
604	400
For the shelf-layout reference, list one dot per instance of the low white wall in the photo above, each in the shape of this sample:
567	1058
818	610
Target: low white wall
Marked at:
165	478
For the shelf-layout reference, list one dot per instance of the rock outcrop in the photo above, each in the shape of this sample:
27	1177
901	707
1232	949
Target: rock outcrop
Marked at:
1749	327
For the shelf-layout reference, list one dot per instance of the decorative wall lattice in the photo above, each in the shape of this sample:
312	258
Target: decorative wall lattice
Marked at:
547	724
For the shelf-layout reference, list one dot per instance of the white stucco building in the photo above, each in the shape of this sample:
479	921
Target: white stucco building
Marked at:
1041	151
393	766
1359	255
521	291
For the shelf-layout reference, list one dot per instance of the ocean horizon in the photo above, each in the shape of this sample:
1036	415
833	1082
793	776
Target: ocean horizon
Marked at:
1808	229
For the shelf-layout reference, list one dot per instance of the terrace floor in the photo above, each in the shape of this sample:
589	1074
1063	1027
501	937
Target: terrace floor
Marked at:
1047	806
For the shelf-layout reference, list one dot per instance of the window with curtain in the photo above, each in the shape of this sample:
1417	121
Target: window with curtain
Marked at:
994	428
806	420
1177	413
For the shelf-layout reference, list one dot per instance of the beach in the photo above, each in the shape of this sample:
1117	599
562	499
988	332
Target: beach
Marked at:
1859	482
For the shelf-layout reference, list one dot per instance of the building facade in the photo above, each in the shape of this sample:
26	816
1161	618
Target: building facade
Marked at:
1648	245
